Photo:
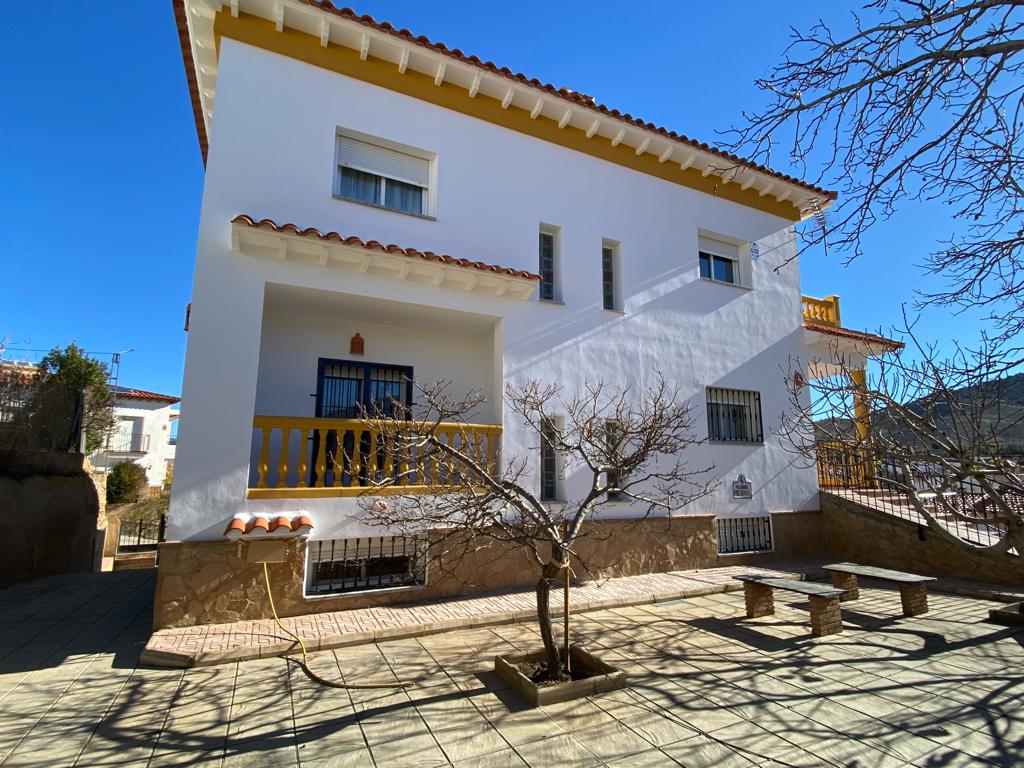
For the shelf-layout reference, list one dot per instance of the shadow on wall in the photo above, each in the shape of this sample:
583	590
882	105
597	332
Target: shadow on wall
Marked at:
49	501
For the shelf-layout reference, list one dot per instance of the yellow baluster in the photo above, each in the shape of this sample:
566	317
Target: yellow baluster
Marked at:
371	463
389	443
357	455
301	464
263	464
403	463
321	459
282	459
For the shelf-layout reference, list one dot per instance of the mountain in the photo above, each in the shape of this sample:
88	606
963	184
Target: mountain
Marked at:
1005	415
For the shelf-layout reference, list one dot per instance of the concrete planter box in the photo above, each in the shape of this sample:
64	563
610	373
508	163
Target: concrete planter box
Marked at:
604	677
1010	615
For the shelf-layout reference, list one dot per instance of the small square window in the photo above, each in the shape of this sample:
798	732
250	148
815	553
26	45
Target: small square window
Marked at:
734	416
718	268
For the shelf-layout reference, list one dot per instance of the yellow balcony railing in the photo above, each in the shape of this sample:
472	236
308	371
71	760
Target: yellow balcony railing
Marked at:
825	311
842	465
311	457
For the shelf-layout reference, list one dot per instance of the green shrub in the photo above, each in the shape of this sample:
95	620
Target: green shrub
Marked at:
126	483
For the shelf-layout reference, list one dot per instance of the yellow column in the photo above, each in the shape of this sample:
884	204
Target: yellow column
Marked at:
861	412
862	422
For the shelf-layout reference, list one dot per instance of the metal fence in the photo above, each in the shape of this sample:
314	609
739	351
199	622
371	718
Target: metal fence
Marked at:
352	565
744	534
852	473
141	535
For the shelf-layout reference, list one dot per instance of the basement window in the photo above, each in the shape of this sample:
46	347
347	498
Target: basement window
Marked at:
340	566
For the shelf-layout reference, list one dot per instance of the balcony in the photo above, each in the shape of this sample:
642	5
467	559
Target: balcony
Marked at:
301	457
134	442
824	311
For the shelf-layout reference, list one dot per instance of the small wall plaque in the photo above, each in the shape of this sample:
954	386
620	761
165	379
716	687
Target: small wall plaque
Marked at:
741	488
356	345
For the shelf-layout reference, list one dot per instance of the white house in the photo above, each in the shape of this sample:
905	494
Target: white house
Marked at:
143	433
379	207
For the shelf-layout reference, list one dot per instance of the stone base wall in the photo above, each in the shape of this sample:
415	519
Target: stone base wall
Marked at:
869	537
214	582
50	506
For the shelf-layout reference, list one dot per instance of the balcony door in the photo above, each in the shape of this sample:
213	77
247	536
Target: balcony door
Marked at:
347	390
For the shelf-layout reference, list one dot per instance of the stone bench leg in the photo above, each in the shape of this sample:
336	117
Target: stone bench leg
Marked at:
914	598
848	582
759	600
825	616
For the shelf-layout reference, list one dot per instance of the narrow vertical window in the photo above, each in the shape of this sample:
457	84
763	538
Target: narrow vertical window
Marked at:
608	277
548	461
547	266
614	437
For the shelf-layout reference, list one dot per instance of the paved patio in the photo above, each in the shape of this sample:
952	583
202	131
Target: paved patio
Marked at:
708	687
241	640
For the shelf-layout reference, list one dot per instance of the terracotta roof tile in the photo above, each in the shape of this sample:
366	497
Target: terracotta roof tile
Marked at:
849	333
576	97
374	245
141	394
243	525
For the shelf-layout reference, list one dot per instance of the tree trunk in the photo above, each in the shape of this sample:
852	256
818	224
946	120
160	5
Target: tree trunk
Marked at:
547	632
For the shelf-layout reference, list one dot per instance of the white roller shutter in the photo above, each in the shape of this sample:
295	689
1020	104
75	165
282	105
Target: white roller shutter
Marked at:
717	247
381	161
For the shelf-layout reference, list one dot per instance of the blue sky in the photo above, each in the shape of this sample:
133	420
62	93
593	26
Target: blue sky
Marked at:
103	178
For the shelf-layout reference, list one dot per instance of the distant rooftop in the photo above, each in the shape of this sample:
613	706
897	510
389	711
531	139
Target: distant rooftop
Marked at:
130	393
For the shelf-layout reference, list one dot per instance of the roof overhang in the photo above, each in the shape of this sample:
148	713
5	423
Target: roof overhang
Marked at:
266	238
561	111
833	349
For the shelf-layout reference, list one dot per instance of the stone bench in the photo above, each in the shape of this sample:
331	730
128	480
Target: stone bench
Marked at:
758	592
913	588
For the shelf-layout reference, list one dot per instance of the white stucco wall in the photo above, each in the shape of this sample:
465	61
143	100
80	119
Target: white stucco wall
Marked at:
271	155
154	420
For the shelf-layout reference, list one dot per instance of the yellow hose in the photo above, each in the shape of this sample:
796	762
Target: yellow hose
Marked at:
305	661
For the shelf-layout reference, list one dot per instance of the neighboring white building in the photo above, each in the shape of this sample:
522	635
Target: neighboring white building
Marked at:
143	432
582	243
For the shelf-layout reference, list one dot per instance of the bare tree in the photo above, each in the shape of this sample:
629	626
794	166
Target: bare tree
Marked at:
629	447
934	442
917	100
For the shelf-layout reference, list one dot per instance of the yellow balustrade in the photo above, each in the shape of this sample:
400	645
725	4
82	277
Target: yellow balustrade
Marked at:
841	465
825	311
301	457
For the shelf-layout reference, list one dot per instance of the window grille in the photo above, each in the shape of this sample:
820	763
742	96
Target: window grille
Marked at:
744	534
356	565
734	416
547	265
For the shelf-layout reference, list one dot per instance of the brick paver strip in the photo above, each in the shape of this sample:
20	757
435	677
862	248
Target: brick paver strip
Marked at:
239	641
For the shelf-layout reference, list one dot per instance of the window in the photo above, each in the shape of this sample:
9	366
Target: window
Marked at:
611	288
734	416
357	565
614	436
548	460
378	175
720	261
345	388
548	264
